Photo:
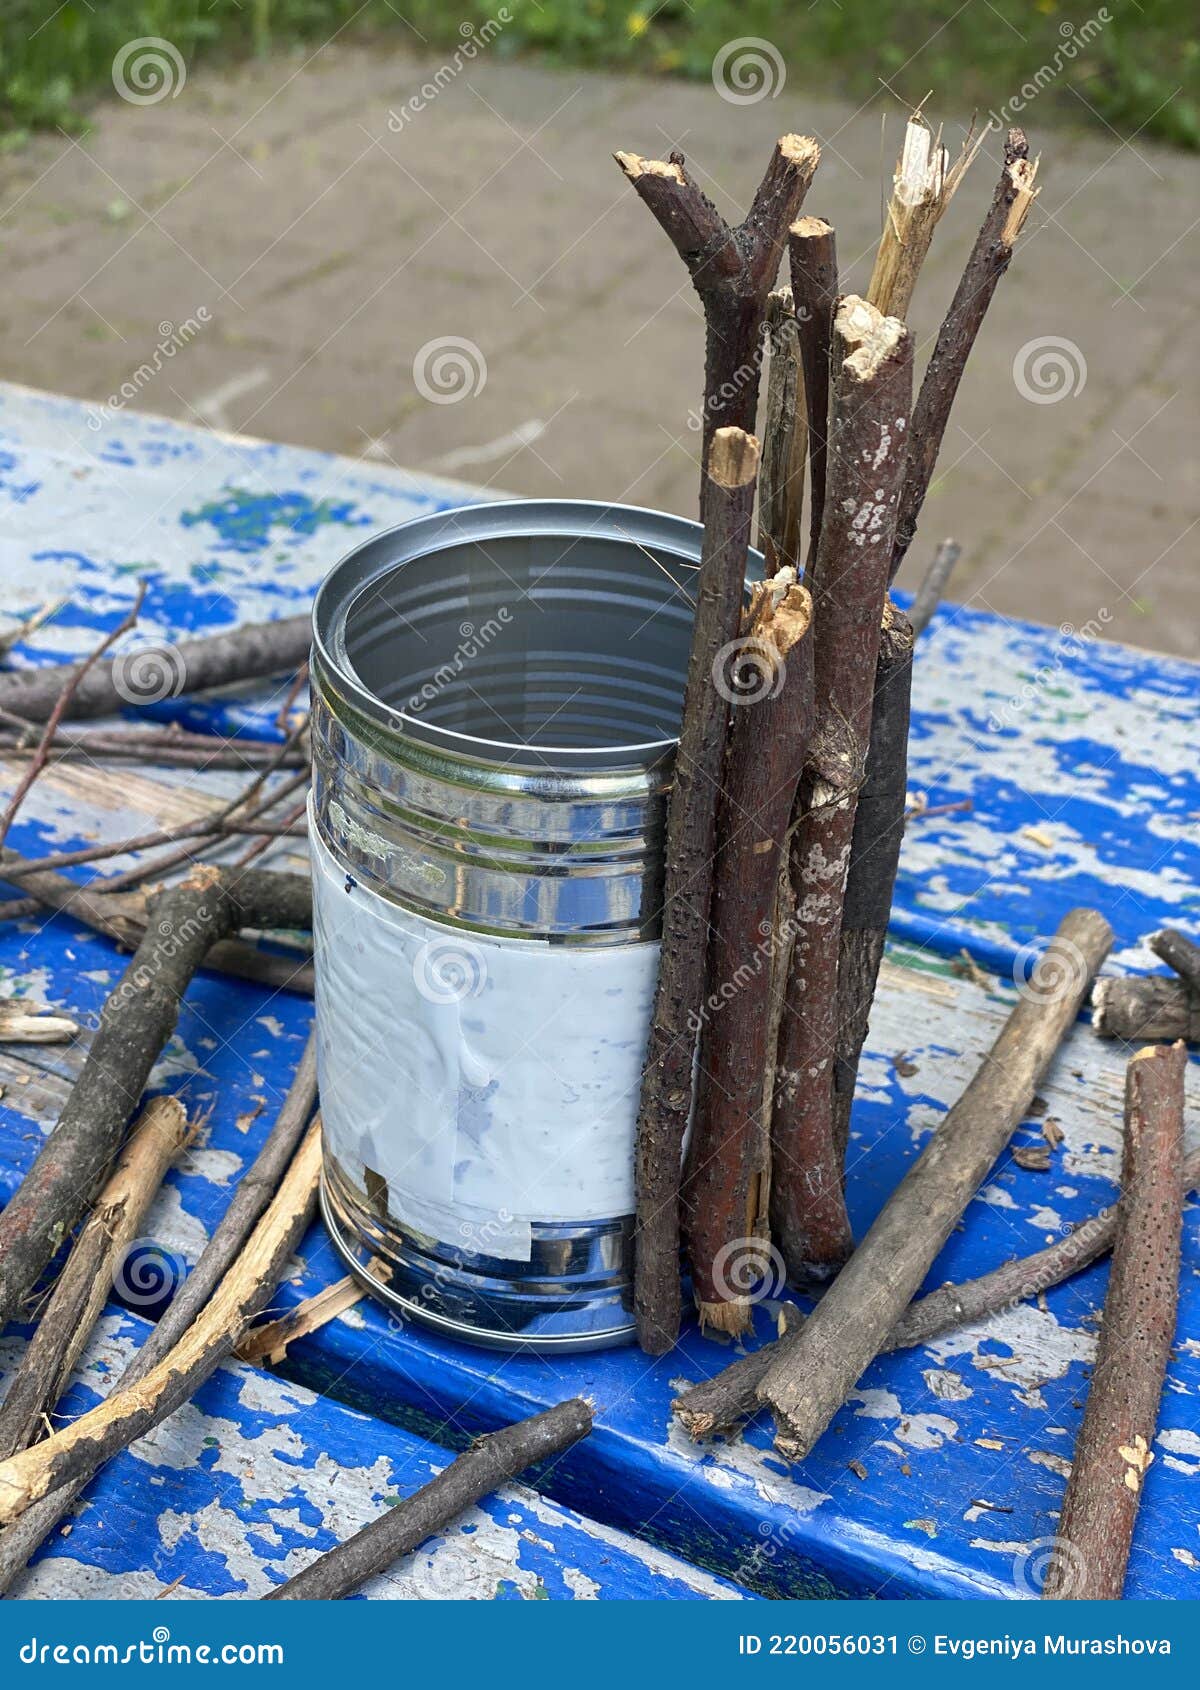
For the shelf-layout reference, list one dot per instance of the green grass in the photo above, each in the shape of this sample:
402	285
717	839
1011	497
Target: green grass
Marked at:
1138	70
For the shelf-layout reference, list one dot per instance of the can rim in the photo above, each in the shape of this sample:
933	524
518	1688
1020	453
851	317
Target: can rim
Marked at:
423	536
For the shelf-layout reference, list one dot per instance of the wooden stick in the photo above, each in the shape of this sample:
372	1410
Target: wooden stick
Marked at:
732	269
138	1018
727	1173
87	1278
874	858
814	1372
717	1404
812	255
61	706
1113	1450
691	833
871	397
122	918
23	1021
785	438
989	260
251	1197
1141	1007
1180	953
243	654
98	1435
488	1464
933	585
923	184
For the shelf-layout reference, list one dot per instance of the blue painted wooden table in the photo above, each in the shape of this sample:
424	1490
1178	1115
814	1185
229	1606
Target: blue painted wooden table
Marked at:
1080	759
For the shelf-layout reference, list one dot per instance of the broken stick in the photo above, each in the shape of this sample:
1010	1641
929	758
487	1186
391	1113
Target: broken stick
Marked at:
727	1173
732	269
988	261
666	1097
1112	1452
923	184
98	1435
1180	953
483	1468
814	1372
872	392
1137	1008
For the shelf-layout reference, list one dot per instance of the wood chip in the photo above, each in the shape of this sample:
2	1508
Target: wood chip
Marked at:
857	1468
1035	1158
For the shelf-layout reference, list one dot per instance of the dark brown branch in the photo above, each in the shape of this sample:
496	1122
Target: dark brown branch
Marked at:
933	585
727	1173
785	436
872	393
251	1197
814	1372
717	1404
135	1023
989	260
812	252
874	858
244	654
83	1287
691	831
95	1437
1138	1007
1113	1449
732	269
488	1464
71	685
1180	953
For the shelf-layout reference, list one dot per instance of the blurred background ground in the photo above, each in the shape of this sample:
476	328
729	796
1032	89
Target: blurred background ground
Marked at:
311	227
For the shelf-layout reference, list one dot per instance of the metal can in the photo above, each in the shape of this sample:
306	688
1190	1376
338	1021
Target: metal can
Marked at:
496	693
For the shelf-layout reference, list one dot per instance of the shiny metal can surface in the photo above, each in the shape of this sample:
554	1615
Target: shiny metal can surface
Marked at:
496	697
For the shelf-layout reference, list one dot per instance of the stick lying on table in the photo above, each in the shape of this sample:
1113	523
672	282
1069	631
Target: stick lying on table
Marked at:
135	1023
732	269
1113	1451
814	1372
1180	953
718	1403
489	1463
872	393
249	653
933	586
86	1281
1138	1007
727	1172
250	1283
251	1197
691	835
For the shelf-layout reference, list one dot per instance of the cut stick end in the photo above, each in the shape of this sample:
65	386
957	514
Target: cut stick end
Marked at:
634	166
801	151
732	458
697	1426
732	1318
868	337
810	229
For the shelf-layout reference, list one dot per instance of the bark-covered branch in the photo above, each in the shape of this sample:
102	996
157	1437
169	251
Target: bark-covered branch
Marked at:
1180	953
933	585
989	260
243	654
1139	1007
488	1464
1113	1450
727	1174
872	393
135	1023
687	894
732	269
814	1372
812	255
784	440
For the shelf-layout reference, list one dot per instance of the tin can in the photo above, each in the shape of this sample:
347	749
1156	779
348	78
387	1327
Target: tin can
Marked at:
496	697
